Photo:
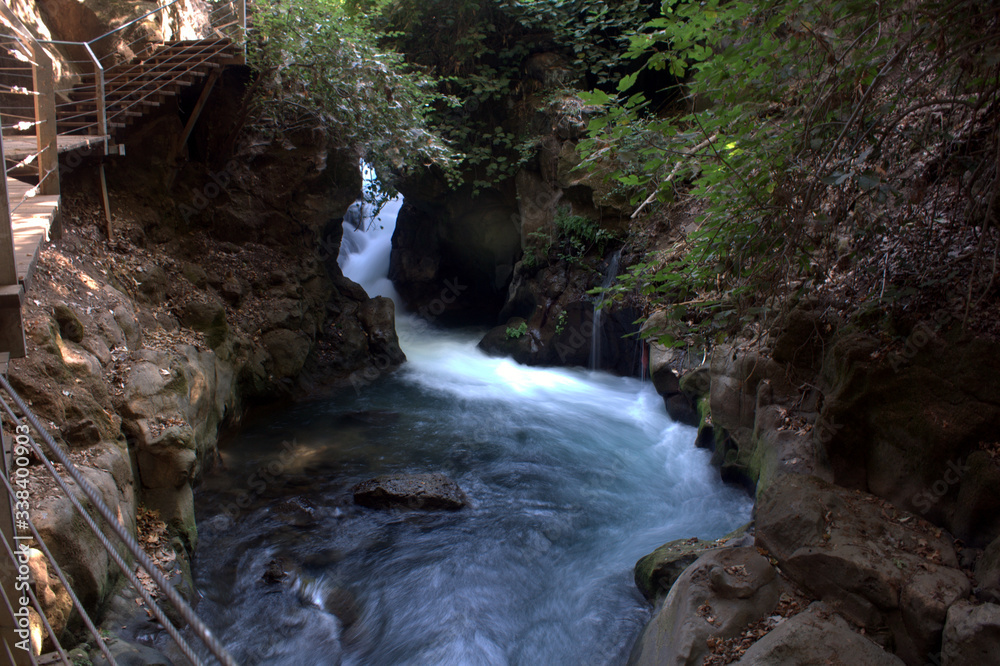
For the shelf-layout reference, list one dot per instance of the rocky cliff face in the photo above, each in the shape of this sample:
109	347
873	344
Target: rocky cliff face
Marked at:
219	291
873	470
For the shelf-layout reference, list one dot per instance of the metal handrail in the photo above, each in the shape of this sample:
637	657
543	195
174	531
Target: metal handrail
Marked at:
26	49
109	520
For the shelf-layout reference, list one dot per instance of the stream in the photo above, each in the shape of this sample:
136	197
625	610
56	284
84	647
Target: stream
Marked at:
572	475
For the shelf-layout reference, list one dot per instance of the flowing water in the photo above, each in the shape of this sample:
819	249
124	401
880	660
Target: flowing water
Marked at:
572	476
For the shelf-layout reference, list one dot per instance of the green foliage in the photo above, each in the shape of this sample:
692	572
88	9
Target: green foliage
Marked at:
575	237
515	333
561	323
323	65
478	50
803	115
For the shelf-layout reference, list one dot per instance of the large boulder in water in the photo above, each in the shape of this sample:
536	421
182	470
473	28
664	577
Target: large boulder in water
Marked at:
414	491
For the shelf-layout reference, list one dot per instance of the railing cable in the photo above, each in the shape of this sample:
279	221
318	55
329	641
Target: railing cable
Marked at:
196	624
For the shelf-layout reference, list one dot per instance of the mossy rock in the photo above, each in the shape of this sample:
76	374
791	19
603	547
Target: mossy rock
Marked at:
697	384
656	573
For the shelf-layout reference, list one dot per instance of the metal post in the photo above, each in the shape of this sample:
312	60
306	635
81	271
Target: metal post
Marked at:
45	116
99	96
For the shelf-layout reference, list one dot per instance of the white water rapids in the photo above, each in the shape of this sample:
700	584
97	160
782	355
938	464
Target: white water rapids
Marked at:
572	476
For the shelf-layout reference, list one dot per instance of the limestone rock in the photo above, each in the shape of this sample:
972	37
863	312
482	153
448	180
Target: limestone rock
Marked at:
971	635
207	316
988	572
153	284
288	349
77	550
128	324
70	326
717	596
378	317
817	636
415	491
908	428
875	565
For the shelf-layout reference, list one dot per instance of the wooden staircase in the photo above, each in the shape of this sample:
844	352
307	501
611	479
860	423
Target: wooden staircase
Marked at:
131	89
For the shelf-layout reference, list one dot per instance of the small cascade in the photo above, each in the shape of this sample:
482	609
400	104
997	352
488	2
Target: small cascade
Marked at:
367	242
596	331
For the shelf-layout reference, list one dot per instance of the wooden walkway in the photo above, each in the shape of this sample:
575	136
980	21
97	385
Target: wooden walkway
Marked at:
32	217
31	220
16	148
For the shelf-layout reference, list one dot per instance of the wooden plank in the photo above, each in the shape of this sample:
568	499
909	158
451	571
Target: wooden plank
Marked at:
32	220
45	114
196	113
16	148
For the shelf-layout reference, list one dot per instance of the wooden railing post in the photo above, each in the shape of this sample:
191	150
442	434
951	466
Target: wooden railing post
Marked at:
45	116
241	7
8	269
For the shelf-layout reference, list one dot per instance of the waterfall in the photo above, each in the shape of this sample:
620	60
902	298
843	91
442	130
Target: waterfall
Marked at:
597	332
367	243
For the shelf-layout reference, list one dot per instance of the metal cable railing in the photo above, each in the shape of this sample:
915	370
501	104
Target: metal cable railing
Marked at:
87	106
164	78
24	530
27	113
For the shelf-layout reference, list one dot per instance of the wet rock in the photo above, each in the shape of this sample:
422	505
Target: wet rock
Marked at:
972	635
656	573
414	491
697	383
378	317
343	604
70	326
717	596
276	571
816	636
509	339
296	511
